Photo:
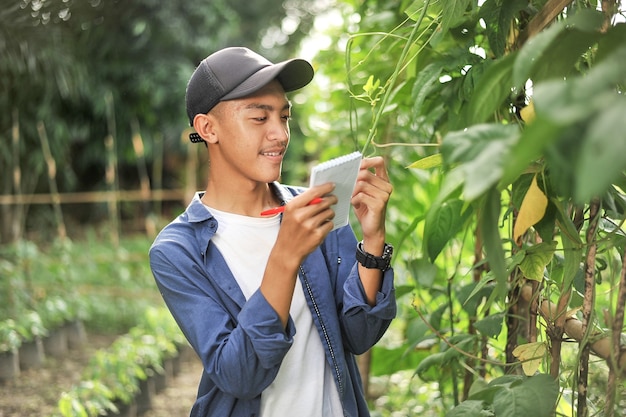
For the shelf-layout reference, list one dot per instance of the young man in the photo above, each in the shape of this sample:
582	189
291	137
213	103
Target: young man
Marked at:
275	307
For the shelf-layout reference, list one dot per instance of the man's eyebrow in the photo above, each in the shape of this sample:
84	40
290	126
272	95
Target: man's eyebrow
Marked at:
268	107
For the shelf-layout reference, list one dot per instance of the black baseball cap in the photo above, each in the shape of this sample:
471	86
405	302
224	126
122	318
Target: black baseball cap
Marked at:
237	72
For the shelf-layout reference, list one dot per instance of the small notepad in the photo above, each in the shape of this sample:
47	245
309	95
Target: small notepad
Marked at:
343	172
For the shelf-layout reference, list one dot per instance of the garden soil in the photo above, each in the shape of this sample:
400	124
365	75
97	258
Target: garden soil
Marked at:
36	392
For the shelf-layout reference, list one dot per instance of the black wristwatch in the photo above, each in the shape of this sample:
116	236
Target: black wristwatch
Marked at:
374	262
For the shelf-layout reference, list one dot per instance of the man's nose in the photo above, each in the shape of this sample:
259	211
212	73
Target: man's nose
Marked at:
279	130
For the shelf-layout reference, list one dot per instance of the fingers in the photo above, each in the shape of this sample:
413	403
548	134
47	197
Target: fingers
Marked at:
370	197
304	225
313	194
312	209
373	179
377	164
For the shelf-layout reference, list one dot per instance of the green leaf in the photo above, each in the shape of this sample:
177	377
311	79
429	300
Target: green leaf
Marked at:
426	82
534	139
478	385
462	343
474	293
437	315
536	259
613	39
443	225
566	102
564	53
574	100
483	391
546	226
402	290
388	361
489	220
468	408
535	396
572	246
424	272
408	231
484	151
414	10
428	162
491	90
490	326
614	235
498	16
434	361
602	158
486	170
568	229
453	13
449	190
545	56
418	332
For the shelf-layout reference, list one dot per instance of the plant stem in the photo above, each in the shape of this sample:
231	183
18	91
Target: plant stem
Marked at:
557	329
394	76
616	333
587	309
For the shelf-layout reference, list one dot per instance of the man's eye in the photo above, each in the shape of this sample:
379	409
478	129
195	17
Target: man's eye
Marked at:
286	117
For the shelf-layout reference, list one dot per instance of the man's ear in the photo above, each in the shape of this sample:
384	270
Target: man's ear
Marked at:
204	125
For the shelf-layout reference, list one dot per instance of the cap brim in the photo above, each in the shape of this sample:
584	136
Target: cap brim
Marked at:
292	75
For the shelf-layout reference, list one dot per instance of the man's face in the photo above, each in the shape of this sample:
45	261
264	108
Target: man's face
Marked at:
253	133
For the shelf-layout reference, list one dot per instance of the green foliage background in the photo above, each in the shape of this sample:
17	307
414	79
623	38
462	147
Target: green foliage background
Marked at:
439	88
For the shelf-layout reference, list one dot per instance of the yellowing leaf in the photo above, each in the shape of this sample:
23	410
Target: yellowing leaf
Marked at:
428	162
531	355
528	113
532	210
535	260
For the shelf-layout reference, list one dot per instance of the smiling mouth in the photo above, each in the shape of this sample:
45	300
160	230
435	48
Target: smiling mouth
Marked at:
274	152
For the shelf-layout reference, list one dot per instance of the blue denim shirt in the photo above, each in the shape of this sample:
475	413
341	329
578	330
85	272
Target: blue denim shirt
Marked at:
242	343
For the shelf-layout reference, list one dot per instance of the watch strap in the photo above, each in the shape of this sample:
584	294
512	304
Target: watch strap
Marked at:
370	261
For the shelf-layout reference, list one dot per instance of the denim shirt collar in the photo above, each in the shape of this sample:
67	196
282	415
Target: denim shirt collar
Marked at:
198	213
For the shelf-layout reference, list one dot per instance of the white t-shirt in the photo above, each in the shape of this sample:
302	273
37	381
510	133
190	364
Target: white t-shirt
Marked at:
302	387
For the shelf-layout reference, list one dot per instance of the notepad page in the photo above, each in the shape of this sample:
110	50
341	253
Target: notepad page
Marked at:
342	171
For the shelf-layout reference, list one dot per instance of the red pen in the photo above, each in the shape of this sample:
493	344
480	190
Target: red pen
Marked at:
280	209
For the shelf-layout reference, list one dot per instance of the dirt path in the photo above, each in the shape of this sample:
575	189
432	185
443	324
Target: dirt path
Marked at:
36	392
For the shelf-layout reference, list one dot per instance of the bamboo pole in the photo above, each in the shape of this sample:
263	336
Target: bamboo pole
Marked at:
18	212
546	15
52	169
600	344
144	179
111	169
92	197
157	170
